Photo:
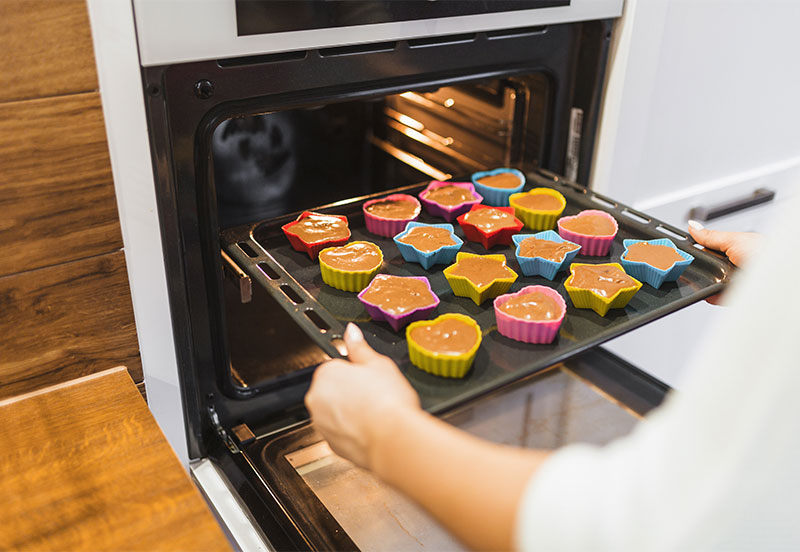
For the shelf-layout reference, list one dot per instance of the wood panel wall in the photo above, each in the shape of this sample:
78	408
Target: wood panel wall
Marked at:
65	307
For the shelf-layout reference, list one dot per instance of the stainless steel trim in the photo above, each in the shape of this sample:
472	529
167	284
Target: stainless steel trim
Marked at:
225	504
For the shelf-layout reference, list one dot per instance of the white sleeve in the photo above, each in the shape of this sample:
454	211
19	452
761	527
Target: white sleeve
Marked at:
718	465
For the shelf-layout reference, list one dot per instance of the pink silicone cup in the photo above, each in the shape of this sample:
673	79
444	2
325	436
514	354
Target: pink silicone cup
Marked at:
397	321
385	227
529	331
597	246
449	212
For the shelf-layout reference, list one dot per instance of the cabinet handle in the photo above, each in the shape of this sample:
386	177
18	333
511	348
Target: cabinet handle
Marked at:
705	214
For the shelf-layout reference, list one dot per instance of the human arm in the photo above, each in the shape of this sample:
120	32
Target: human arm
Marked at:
471	486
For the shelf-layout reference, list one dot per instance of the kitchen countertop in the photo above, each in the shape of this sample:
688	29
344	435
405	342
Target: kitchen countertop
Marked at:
83	465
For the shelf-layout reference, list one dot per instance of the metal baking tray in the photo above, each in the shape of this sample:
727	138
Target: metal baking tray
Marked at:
294	280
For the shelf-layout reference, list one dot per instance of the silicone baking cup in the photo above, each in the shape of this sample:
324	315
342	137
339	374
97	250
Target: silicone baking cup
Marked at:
448	212
497	197
650	274
590	245
349	280
443	255
587	299
539	266
386	227
501	236
397	321
464	287
313	249
537	219
529	331
440	364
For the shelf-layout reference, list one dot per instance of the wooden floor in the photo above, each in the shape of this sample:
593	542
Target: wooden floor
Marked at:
83	466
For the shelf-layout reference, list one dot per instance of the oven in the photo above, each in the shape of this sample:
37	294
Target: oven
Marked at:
256	111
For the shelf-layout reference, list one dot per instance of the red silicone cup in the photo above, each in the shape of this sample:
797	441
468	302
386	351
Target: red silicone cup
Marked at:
312	249
529	331
449	212
385	227
597	246
489	239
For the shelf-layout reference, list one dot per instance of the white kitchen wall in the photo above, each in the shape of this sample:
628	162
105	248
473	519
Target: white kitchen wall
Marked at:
703	106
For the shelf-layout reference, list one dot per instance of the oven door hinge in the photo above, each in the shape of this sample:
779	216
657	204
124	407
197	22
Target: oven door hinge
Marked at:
223	434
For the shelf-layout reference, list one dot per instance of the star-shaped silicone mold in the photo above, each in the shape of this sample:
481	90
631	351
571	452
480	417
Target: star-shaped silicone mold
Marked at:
656	275
441	255
490	226
399	300
479	277
539	266
446	207
585	298
312	232
597	243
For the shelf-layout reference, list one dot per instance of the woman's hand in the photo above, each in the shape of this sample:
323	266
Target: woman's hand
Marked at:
738	246
353	403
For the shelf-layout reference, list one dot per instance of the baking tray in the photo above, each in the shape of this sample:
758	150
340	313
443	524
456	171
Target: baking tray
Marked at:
294	280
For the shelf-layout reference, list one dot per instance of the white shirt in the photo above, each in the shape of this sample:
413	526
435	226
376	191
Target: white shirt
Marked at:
717	467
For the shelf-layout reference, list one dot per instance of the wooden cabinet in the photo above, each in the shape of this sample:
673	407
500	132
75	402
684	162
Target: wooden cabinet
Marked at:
83	466
65	305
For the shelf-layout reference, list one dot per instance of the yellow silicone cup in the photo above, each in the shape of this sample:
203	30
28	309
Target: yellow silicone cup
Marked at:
440	364
348	280
538	219
587	299
464	287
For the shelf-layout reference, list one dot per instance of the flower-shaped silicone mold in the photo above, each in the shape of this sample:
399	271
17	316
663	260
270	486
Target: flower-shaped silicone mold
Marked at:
668	271
533	217
442	255
354	279
591	244
490	226
479	277
584	298
384	225
440	363
399	300
539	266
530	331
312	232
444	210
497	196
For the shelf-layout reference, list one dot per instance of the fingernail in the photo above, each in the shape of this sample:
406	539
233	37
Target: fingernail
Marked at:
696	225
352	333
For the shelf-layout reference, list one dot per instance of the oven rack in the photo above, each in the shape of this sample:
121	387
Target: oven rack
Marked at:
293	280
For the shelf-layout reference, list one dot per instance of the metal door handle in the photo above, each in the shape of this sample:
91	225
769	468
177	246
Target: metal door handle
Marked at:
704	214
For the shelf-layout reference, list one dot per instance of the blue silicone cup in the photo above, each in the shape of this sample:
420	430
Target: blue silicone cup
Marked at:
497	197
444	255
538	266
650	274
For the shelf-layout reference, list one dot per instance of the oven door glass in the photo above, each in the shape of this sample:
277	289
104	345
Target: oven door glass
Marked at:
563	405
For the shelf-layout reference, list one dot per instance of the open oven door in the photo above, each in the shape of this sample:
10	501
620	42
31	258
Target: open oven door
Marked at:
301	496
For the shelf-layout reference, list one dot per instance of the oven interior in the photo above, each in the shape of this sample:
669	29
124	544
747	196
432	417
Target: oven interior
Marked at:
271	164
250	140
